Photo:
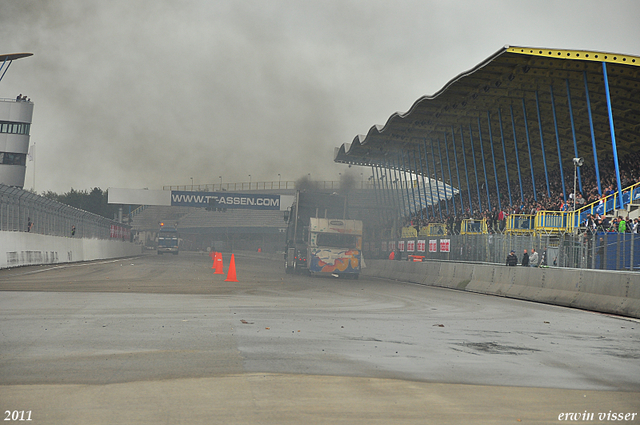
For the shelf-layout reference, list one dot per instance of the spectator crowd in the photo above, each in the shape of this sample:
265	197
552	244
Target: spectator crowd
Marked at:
442	212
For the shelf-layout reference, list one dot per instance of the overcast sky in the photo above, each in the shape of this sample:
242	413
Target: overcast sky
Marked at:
148	93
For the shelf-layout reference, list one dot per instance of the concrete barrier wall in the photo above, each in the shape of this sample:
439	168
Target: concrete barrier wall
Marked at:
23	249
595	290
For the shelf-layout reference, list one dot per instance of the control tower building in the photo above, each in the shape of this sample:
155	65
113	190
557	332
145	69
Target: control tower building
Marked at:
15	124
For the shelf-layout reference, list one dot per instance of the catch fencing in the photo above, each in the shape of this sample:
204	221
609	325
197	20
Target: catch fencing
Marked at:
23	211
588	250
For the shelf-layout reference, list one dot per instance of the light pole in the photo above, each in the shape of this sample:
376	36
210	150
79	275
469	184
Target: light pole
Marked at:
279	180
577	162
191	183
249	181
220	177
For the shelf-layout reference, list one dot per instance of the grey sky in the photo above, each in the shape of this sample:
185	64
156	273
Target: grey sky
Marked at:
146	93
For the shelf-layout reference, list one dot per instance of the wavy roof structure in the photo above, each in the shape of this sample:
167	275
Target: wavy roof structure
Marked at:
519	97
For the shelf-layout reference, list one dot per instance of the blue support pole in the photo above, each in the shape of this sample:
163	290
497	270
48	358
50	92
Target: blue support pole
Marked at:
453	197
383	179
424	187
415	166
593	134
493	157
444	184
555	125
484	166
3	62
389	183
375	188
398	178
379	202
455	159
385	190
526	128
377	181
573	132
613	133
413	193
435	175
515	143
466	172
426	163
475	168
5	71
544	156
504	155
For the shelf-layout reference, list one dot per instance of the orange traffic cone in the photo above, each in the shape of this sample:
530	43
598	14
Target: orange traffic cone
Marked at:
231	274
213	258
218	263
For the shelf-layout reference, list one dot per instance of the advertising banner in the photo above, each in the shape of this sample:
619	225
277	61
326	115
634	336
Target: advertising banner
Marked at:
433	245
411	246
445	245
422	245
401	246
226	200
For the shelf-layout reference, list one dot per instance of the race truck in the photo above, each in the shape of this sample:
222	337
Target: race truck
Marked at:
320	238
167	240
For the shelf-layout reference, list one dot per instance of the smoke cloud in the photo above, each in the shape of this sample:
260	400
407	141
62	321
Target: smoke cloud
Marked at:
148	93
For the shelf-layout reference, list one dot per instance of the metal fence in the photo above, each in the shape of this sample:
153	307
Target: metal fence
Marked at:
23	211
589	250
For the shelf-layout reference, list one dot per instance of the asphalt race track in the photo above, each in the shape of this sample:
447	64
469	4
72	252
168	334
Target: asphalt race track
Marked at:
163	340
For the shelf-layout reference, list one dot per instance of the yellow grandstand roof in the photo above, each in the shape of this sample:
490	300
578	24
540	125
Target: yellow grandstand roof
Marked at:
522	82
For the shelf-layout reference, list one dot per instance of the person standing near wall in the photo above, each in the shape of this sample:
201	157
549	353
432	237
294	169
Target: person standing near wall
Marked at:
533	259
525	259
512	259
622	225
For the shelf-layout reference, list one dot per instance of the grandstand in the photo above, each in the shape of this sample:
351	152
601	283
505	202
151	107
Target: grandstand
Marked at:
547	135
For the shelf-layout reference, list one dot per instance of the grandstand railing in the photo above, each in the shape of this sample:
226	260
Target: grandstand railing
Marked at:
434	229
409	232
520	224
547	222
23	211
473	227
603	206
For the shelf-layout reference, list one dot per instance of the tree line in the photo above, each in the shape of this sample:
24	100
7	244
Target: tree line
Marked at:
94	201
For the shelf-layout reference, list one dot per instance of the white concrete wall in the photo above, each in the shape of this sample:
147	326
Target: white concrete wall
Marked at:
21	249
615	292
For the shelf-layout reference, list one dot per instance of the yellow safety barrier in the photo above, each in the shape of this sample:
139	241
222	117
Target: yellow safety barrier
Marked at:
473	227
548	222
409	232
520	224
434	229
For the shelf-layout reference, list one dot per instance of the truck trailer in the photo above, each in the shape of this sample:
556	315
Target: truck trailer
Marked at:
320	238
